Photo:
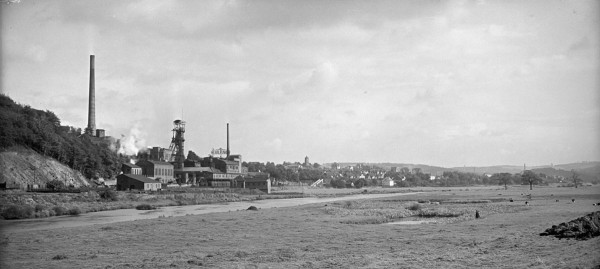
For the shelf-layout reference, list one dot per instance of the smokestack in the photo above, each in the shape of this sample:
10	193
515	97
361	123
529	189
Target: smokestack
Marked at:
227	140
91	128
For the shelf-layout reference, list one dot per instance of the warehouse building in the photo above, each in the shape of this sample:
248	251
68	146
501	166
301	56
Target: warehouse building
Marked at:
136	182
161	171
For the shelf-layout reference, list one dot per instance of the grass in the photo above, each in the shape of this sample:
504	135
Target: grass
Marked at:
314	236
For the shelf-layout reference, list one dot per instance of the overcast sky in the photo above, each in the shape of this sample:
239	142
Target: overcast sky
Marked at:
446	83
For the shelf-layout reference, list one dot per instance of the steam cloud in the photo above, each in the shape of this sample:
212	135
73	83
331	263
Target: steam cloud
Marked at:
133	143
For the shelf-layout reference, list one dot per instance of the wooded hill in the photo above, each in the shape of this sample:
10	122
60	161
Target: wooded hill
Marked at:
41	131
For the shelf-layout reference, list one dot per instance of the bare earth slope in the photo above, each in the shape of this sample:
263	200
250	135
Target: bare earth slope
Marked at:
19	168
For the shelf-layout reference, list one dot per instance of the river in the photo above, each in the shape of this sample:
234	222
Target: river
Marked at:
106	217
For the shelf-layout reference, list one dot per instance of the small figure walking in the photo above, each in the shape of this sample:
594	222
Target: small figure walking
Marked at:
476	214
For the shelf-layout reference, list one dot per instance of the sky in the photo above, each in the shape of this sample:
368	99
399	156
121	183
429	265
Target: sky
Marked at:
446	83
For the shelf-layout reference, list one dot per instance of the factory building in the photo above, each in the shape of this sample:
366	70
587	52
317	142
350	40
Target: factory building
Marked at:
157	170
136	182
160	154
129	168
255	180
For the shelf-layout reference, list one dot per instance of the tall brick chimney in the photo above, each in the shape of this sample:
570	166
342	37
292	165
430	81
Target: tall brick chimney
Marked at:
228	140
91	128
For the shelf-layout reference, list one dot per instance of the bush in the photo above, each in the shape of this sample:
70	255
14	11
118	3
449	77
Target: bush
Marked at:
74	211
59	210
39	207
145	207
18	212
56	185
109	195
414	207
59	257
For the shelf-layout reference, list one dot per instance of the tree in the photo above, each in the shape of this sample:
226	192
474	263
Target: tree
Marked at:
55	185
360	183
575	177
529	177
192	156
502	179
405	171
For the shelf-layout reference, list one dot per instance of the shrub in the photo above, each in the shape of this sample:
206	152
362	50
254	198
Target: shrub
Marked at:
56	185
74	211
18	212
59	257
39	207
109	195
145	207
414	207
59	210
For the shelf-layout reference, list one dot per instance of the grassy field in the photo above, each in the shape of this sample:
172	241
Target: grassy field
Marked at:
345	234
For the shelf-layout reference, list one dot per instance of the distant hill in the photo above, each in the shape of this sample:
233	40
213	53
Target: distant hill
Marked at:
427	169
512	169
588	171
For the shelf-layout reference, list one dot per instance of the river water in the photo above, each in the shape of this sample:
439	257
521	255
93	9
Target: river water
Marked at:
106	217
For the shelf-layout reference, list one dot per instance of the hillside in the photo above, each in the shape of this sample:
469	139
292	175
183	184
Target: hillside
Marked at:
22	167
30	130
512	169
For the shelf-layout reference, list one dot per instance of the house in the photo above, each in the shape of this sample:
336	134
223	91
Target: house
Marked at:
129	168
161	171
136	182
388	182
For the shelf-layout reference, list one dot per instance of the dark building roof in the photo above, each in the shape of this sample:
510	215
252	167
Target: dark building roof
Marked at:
226	161
194	169
156	162
138	178
131	165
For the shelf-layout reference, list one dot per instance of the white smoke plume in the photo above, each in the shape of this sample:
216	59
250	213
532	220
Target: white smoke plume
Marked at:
133	143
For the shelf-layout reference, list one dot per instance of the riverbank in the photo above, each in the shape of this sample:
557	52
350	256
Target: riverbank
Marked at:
26	205
122	215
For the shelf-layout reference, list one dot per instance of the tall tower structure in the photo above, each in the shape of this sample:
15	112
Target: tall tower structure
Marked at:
228	152
177	144
91	127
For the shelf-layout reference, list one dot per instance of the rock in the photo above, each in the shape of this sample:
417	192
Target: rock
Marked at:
582	228
252	208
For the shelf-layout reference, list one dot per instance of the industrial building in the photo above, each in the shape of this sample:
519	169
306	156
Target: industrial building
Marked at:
129	168
136	182
160	171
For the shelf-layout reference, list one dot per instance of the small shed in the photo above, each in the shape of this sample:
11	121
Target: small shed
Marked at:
136	182
263	184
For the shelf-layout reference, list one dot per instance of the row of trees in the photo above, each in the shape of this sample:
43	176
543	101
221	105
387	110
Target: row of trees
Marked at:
42	131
